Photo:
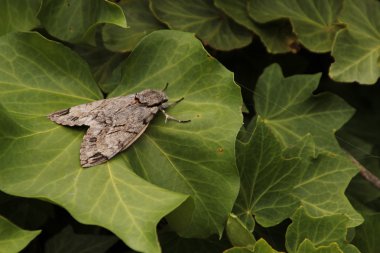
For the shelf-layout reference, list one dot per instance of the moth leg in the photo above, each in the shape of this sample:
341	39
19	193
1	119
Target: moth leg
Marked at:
167	116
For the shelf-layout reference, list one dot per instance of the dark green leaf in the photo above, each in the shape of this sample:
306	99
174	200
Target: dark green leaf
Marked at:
314	22
201	17
75	21
16	15
67	241
141	22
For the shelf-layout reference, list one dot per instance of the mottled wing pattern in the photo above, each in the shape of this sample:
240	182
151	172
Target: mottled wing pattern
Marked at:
104	140
89	114
114	126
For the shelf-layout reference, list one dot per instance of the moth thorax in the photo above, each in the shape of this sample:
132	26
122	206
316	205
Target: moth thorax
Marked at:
151	97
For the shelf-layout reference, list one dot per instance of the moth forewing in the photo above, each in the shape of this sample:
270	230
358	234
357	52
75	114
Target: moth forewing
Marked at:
114	123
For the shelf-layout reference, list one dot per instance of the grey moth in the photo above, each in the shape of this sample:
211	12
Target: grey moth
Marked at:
114	123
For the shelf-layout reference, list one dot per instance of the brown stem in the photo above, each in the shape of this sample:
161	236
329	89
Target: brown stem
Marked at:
374	180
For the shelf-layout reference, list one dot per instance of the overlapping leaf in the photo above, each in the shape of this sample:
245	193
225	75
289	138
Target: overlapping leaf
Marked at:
275	181
366	235
67	241
18	15
314	21
140	23
187	153
75	21
13	238
276	36
289	108
261	246
356	50
205	20
41	159
328	231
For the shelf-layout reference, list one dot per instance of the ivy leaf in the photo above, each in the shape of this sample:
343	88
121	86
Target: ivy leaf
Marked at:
211	96
289	108
261	246
141	22
356	50
277	36
18	15
205	20
58	18
13	238
68	241
41	159
319	231
238	233
364	236
314	22
275	181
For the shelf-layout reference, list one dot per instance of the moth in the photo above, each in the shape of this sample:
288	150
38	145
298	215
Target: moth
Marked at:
114	123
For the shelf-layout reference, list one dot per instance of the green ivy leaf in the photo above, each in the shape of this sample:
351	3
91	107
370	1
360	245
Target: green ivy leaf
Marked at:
67	241
261	246
141	22
75	21
276	36
187	153
356	50
275	181
308	247
320	231
172	243
12	238
18	15
205	20
238	233
314	22
41	159
366	235
289	108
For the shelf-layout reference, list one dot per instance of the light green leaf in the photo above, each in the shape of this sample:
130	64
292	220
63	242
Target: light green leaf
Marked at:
320	231
205	20
276	36
237	232
366	235
12	238
308	247
141	22
75	21
289	108
67	241
174	156
16	15
356	50
187	153
41	159
314	21
261	246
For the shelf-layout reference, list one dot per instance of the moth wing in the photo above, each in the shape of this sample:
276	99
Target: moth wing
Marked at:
91	113
101	144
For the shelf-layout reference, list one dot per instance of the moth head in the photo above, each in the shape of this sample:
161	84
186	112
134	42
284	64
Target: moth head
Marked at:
151	97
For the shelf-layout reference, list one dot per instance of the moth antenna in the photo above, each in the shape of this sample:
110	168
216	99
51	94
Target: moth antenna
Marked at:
166	86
